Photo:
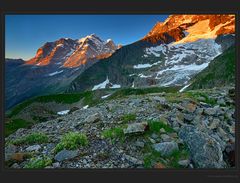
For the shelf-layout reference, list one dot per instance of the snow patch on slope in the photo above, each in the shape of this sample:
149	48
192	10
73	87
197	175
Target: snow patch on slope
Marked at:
54	73
101	85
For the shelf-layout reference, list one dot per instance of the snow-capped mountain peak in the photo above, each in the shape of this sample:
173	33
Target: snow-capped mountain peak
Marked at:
67	52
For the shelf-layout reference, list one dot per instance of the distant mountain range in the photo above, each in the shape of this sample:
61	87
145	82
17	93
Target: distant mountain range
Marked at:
171	54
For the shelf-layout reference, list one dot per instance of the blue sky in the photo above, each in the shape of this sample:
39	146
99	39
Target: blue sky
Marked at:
26	33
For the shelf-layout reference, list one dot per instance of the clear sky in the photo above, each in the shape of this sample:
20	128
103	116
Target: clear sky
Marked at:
26	33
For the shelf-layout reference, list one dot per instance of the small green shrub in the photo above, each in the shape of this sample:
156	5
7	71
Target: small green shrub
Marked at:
155	126
38	163
151	157
34	138
113	133
71	141
128	117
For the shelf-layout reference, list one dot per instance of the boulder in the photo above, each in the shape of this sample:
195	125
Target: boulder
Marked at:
93	118
184	163
33	148
166	148
136	128
133	160
205	151
66	155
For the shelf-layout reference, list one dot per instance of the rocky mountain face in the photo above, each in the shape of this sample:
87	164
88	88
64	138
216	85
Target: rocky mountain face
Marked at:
54	66
170	54
73	53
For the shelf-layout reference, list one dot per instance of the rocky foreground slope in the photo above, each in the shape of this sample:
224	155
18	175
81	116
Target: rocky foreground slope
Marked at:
193	129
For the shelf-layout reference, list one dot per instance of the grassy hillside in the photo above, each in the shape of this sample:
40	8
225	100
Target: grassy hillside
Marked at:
38	109
220	72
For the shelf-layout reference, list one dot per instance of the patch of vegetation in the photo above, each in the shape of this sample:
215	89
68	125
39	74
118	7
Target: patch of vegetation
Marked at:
66	98
14	124
39	118
155	126
128	117
153	157
197	95
113	133
220	72
71	141
38	163
34	138
141	91
176	156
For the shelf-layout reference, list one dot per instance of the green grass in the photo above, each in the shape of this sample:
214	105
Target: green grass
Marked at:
128	117
155	126
141	91
220	72
67	98
113	133
176	156
151	158
207	99
34	138
38	163
71	141
14	124
171	161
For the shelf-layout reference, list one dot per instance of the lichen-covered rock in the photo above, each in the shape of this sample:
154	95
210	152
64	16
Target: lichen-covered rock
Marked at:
166	148
66	155
205	151
135	128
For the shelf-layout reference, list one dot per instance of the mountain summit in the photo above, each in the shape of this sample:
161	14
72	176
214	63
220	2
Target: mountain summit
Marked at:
189	28
73	53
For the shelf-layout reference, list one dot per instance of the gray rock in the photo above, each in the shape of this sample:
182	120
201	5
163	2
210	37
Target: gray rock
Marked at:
135	128
221	101
184	163
214	124
154	136
9	151
222	134
210	111
33	148
188	117
205	151
139	144
162	130
161	100
15	165
189	106
152	140
165	138
66	154
199	111
56	165
166	148
93	118
133	160
10	148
